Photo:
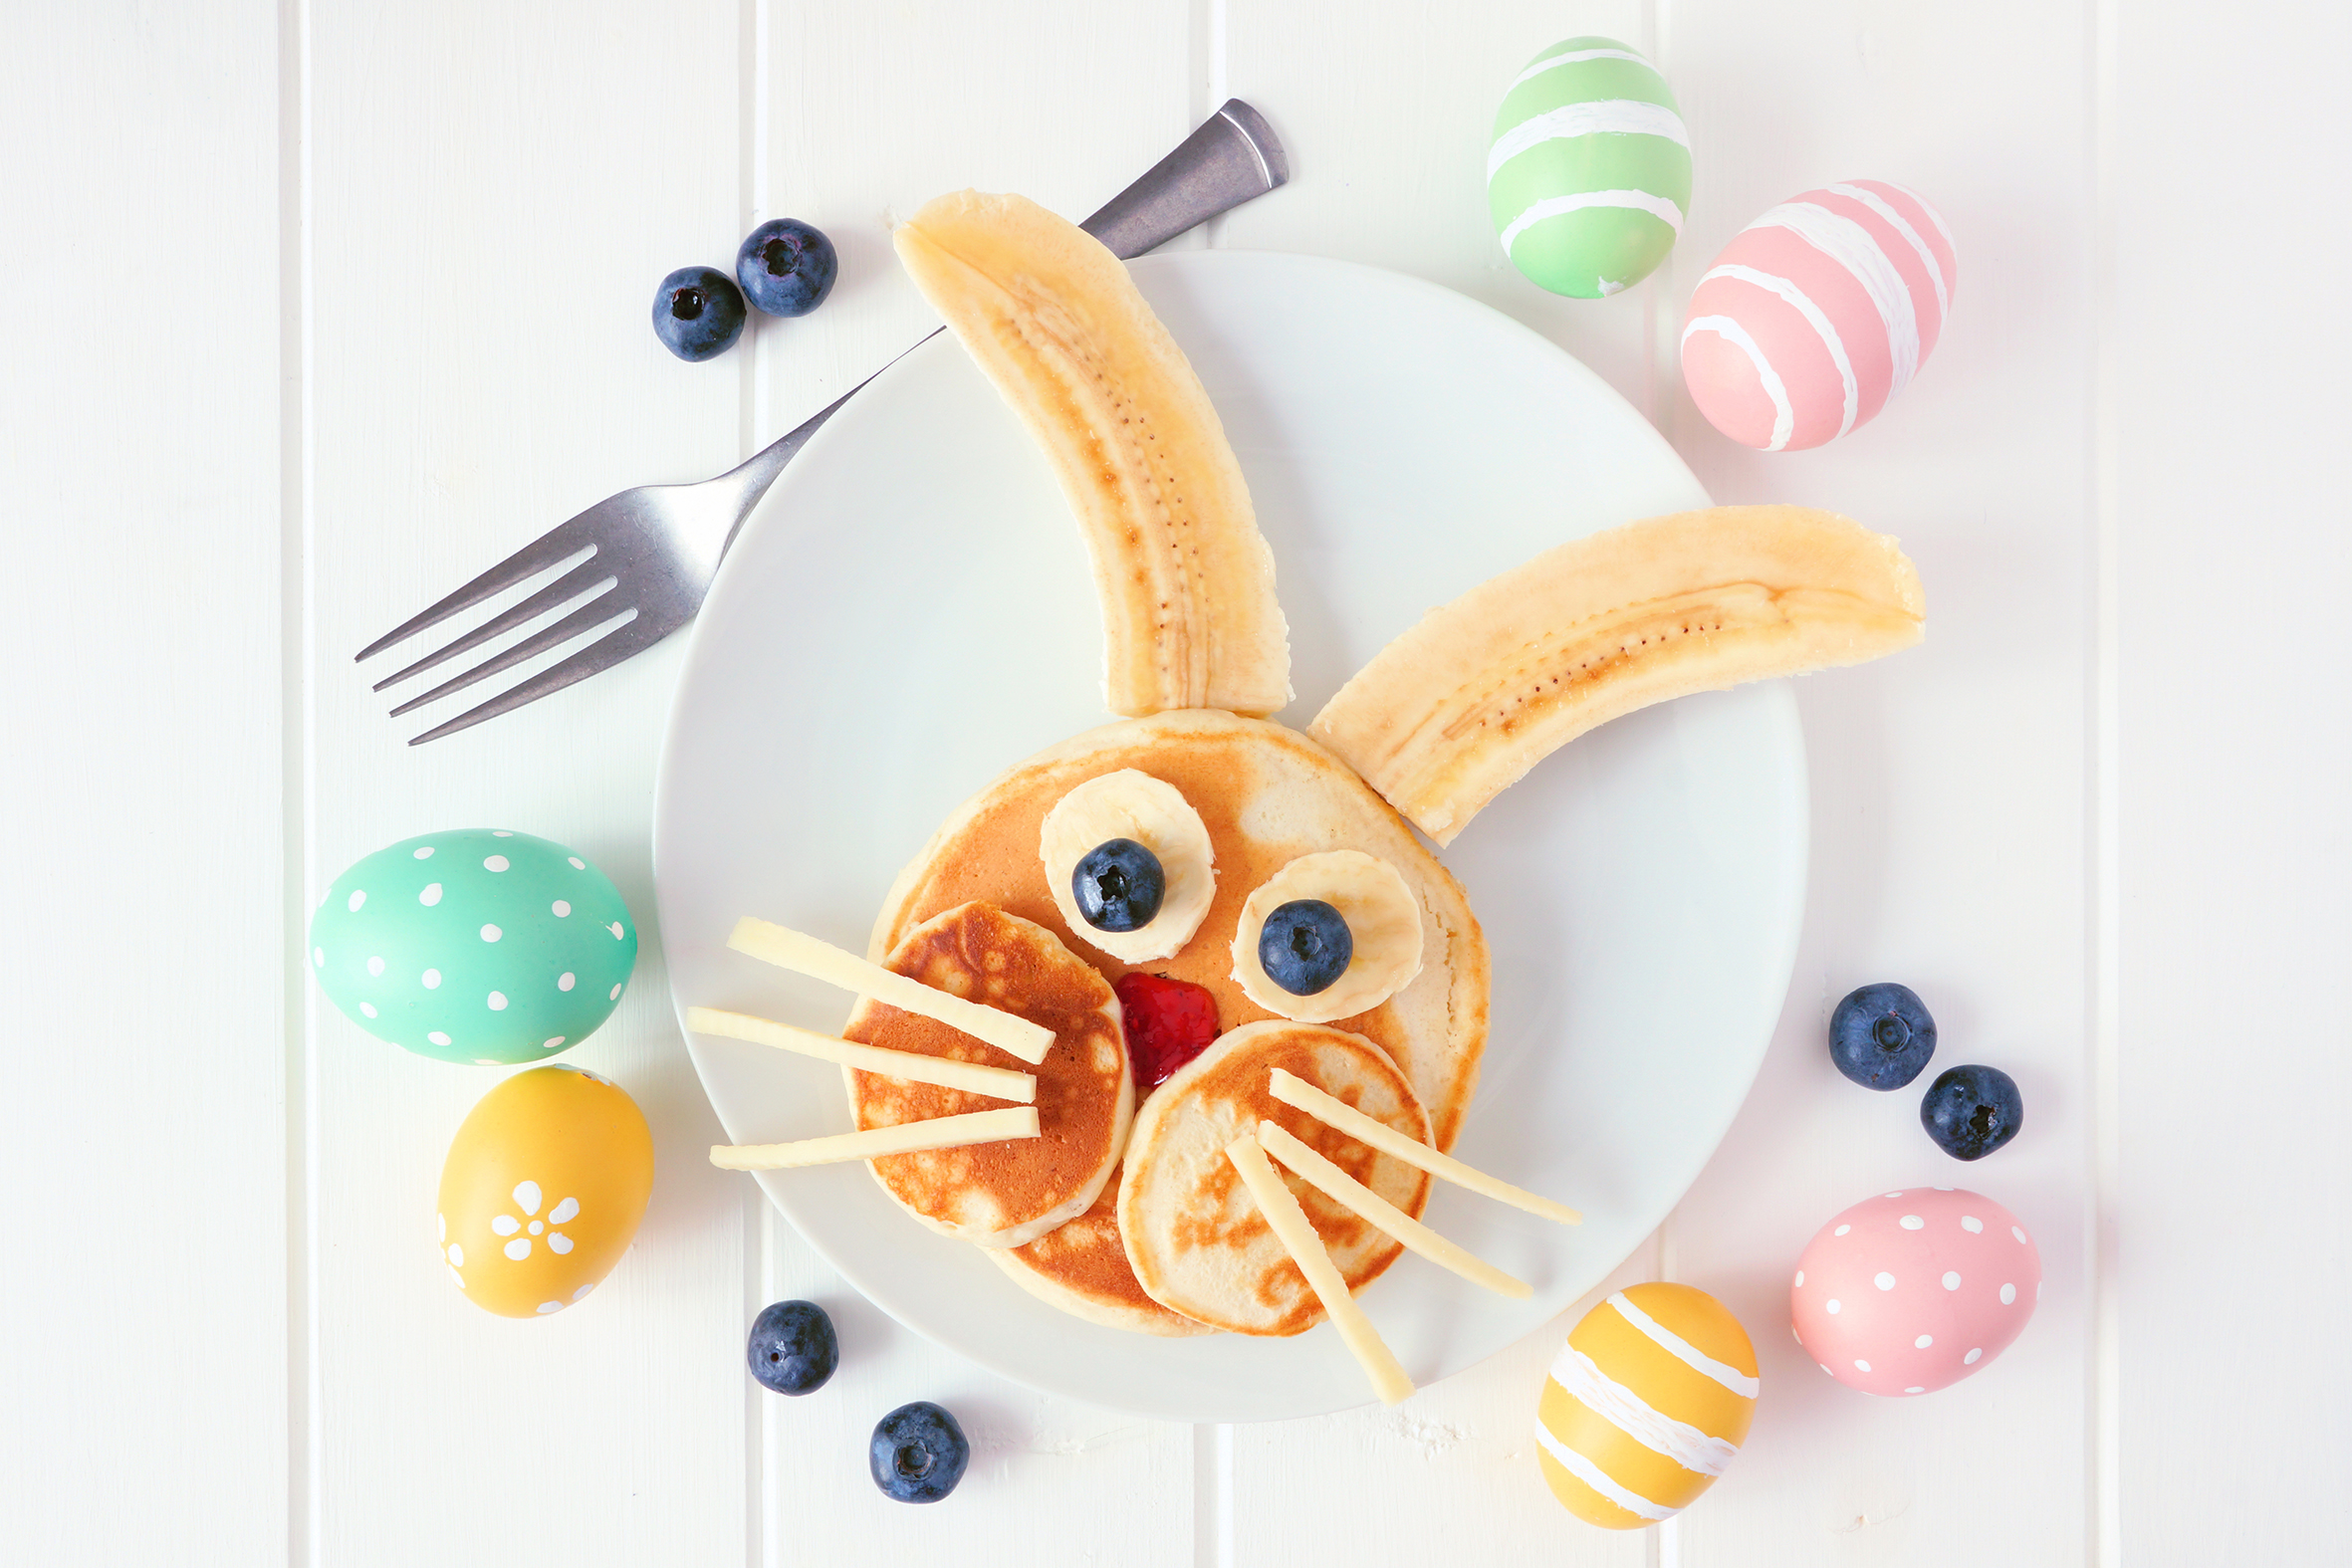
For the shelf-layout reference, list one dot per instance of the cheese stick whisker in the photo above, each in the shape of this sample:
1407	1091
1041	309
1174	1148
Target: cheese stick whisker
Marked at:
1298	1094
1352	1195
1306	1250
1000	1083
806	954
940	1132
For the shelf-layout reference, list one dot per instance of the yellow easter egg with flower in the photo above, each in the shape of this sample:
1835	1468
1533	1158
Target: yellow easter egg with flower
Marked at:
1645	1405
541	1190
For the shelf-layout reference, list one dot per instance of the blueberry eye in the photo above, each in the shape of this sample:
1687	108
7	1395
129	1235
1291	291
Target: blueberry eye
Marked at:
1118	885
1305	946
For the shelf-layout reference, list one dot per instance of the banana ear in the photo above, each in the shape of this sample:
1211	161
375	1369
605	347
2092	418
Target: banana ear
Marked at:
1189	616
1458	709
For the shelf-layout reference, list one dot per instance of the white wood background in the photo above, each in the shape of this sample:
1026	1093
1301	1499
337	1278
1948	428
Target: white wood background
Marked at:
317	306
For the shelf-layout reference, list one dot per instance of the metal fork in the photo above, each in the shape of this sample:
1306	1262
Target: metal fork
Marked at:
645	557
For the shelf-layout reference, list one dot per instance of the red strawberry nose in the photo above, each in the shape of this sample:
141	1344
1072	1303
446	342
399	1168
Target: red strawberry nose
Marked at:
1169	1022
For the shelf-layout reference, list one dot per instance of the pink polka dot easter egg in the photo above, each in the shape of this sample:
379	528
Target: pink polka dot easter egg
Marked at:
1910	1291
1818	313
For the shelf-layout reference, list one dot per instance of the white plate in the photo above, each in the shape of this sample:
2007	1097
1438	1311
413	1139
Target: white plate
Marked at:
911	613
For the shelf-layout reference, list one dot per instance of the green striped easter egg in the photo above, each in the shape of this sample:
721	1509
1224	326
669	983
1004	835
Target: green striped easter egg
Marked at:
1589	173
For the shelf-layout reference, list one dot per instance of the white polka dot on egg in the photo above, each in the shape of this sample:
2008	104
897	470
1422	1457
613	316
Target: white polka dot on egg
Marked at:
582	1293
614	995
491	932
1884	1281
1951	1280
1915	1390
1911	1223
1970	1224
438	1037
617	932
376	966
1800	1280
495	864
318	956
578	865
1970	1359
562	907
358	897
1842	1230
431	895
2019	1234
552	1042
432	979
1834	1306
566	981
2009	1295
1922	1341
426	853
367	1007
1861	1366
498	1002
502	832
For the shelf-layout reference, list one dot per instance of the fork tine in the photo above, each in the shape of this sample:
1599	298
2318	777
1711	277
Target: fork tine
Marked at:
594	612
571	583
542	552
602	654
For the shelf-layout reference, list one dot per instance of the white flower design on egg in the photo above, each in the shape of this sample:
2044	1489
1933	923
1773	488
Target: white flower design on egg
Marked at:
526	1197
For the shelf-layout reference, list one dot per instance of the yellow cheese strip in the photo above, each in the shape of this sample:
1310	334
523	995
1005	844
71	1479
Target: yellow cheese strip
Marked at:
1289	1225
1298	1093
940	1132
805	955
1345	1190
1000	1083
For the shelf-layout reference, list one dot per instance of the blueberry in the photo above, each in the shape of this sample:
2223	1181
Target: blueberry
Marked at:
698	313
792	1348
785	267
1118	885
1881	1037
1972	1111
918	1452
1305	946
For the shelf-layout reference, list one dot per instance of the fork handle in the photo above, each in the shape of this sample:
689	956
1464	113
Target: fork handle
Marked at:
1233	156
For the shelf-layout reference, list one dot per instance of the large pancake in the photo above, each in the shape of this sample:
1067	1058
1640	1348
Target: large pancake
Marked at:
1267	795
1196	1239
1000	1194
1083	1268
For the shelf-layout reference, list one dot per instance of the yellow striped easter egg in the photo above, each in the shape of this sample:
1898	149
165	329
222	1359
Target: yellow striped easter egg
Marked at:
1645	1405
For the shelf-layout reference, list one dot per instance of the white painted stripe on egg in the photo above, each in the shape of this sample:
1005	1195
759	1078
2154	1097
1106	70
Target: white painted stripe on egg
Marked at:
1941	228
1693	1450
1731	332
1553	206
1853	247
1902	225
1683	1350
1599	1480
1571	57
1617	117
1822	327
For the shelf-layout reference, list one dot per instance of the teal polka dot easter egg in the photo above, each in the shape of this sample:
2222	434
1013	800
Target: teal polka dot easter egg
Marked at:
480	946
1589	173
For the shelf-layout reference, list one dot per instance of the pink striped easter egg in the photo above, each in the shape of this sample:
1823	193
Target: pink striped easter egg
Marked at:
1817	312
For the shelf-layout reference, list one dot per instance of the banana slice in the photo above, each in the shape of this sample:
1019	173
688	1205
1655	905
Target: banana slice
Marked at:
1383	917
1186	580
1133	804
1462	705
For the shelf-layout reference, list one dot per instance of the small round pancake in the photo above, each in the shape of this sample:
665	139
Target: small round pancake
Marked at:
1268	796
1198	1244
1083	1268
1000	1194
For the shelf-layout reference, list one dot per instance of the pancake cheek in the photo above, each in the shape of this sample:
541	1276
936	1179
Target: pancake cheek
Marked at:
976	952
